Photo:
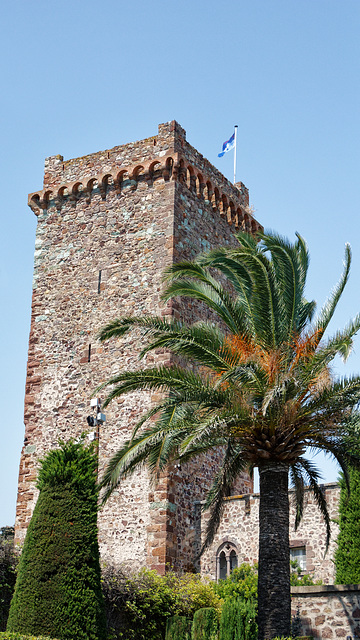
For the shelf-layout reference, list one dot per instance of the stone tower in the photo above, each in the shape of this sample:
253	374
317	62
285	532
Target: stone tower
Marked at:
108	224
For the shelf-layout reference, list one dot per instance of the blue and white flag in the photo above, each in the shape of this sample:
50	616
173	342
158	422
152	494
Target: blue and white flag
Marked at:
227	146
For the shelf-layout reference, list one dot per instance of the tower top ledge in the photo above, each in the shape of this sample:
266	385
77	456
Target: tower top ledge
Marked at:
171	138
167	155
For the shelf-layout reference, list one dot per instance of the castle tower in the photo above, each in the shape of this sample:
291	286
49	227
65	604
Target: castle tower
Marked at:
108	224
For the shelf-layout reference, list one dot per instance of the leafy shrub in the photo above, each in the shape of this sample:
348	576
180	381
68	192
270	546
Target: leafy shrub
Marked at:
347	555
238	620
178	628
242	583
205	624
58	590
297	579
138	606
8	562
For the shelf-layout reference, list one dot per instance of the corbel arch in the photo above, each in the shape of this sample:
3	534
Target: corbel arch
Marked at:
200	186
190	179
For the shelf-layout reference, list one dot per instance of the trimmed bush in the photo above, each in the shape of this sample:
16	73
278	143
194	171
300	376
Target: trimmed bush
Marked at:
205	625
178	628
58	590
347	555
238	620
8	562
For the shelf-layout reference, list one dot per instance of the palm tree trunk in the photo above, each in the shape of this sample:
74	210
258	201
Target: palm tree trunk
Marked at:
274	607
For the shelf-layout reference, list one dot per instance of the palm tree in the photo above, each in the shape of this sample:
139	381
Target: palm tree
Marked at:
256	384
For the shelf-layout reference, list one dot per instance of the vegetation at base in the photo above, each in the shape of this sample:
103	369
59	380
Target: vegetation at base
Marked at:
299	579
58	588
139	605
238	620
8	562
205	624
178	628
347	555
242	583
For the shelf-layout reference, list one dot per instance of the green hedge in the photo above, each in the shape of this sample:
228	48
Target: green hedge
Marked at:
8	562
178	628
58	589
205	624
238	620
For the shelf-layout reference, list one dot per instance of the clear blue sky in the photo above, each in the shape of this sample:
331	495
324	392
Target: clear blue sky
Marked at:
78	77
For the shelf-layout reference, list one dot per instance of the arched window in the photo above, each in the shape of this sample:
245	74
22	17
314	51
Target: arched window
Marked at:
233	560
226	560
222	566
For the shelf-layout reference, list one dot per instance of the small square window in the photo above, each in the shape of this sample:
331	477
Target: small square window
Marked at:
298	554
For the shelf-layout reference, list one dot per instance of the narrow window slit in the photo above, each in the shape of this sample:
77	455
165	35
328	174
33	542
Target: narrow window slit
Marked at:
99	281
89	353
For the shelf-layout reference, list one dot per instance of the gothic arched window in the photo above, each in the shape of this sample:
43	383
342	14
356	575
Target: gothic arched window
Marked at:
226	560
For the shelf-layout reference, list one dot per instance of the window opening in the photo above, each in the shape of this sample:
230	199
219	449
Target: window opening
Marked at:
89	353
233	560
222	566
99	282
298	554
226	560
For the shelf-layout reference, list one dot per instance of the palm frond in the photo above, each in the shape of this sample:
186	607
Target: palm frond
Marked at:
213	296
297	480
233	464
313	477
191	385
129	457
329	307
149	325
201	342
290	263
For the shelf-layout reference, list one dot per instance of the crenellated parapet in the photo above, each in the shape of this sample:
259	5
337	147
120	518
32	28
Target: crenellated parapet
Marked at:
230	201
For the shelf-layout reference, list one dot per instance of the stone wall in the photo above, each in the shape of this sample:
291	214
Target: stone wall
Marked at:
328	611
239	527
108	225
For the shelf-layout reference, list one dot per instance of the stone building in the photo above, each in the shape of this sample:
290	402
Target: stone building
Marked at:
108	225
236	540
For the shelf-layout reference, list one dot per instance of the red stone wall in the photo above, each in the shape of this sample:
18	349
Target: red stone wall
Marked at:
108	224
329	611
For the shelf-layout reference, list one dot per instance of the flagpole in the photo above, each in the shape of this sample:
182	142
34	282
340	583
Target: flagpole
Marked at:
236	128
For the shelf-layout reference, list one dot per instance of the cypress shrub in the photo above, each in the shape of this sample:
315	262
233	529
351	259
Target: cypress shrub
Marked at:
58	591
8	563
347	555
238	620
205	624
178	628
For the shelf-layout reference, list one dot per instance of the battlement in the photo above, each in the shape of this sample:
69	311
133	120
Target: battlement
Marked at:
166	157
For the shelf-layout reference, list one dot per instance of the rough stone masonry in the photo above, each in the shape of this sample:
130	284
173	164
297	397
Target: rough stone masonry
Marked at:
108	225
